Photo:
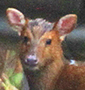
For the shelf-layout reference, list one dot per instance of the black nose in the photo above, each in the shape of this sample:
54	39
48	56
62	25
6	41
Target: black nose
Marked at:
31	60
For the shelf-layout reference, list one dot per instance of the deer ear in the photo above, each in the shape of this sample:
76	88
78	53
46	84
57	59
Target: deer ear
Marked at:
66	24
15	17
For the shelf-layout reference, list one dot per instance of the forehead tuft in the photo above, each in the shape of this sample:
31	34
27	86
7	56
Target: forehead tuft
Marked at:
39	26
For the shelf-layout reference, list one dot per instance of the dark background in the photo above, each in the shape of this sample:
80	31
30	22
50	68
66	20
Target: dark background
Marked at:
48	9
51	10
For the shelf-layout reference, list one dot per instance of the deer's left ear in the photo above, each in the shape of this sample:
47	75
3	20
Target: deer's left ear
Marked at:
66	24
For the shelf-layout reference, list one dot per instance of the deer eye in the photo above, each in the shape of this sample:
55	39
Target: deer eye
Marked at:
26	39
48	42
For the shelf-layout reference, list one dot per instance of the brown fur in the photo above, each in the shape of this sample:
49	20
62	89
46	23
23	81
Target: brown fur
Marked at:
54	74
72	78
46	78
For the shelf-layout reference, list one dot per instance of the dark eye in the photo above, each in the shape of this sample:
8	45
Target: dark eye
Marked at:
25	39
48	42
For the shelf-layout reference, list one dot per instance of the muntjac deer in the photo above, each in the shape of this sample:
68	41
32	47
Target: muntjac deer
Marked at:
41	53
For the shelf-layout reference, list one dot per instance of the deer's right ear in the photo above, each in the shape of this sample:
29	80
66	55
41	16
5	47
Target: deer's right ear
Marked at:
15	17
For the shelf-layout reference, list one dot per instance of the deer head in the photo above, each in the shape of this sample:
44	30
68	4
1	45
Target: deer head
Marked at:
42	40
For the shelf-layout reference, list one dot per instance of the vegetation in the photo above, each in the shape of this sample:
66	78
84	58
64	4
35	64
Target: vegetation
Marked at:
12	75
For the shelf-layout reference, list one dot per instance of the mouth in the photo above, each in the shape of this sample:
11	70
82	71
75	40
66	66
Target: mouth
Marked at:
31	67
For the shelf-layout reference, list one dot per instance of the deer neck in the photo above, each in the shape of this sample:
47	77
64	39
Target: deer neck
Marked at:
45	79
